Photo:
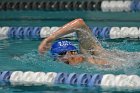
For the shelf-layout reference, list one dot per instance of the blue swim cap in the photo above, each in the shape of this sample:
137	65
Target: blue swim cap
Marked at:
61	46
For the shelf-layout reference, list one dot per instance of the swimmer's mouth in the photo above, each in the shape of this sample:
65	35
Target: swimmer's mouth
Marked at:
66	62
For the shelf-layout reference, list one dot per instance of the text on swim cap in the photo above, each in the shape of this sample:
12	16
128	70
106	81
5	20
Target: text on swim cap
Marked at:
64	43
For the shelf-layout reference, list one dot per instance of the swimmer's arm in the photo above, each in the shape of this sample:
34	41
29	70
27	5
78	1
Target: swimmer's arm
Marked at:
89	58
96	61
69	28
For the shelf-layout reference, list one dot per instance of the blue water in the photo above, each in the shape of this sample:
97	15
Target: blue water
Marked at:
23	55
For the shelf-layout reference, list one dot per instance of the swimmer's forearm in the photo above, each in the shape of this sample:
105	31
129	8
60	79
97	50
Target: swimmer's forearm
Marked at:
96	61
66	29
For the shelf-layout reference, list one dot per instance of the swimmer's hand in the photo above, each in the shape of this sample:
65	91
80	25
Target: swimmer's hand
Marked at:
43	47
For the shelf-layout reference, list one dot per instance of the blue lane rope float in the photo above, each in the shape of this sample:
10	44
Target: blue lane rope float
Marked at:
11	32
95	80
72	79
96	30
138	6
83	79
134	5
4	77
105	33
101	32
35	34
19	32
60	78
27	32
30	78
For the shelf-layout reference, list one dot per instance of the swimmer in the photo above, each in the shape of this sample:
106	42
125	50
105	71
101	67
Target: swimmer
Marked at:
66	52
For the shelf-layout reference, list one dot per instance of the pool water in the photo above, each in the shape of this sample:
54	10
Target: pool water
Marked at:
23	55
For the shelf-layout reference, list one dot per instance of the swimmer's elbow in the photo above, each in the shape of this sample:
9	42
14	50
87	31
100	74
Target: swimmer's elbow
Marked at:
80	19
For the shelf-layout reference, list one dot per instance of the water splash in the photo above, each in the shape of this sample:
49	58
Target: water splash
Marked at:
120	60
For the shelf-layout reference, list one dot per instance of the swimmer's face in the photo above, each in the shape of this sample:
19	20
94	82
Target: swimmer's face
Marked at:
70	57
